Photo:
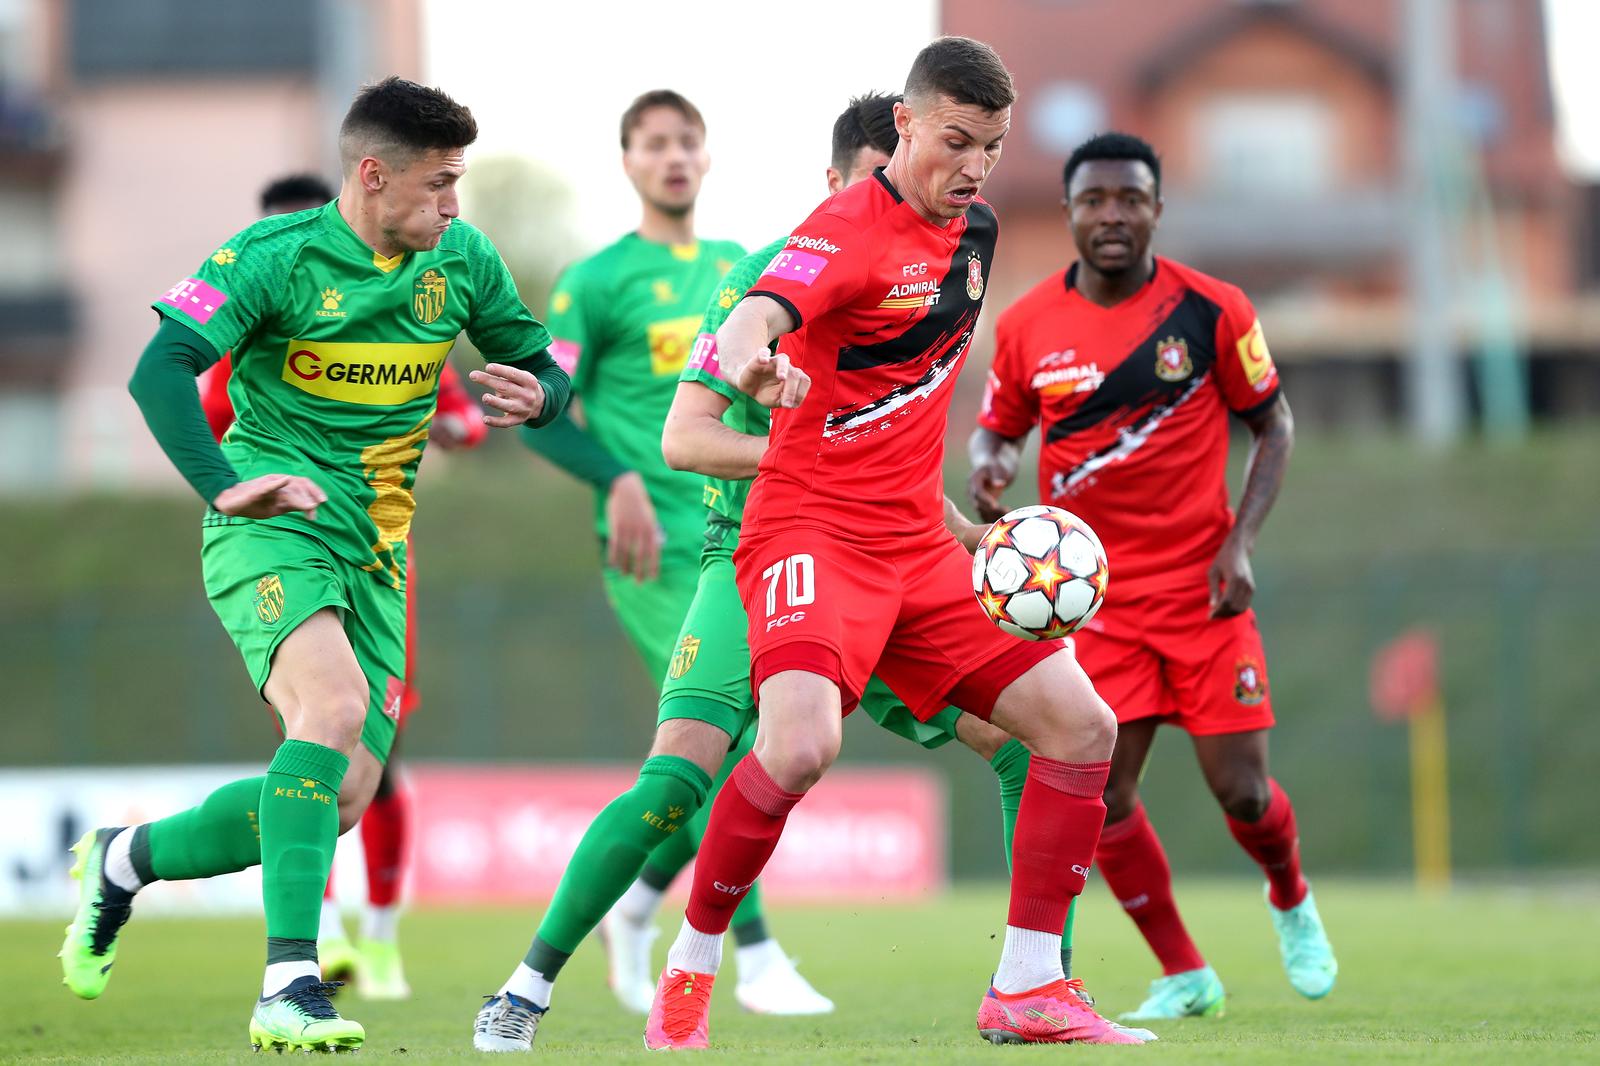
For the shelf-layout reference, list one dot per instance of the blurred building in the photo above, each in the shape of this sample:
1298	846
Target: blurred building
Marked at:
133	137
1280	124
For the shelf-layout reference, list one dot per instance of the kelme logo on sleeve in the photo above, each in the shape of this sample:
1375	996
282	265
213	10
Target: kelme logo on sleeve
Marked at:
269	599
428	292
379	374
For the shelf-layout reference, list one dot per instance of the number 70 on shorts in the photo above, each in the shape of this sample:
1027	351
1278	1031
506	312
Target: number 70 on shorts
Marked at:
798	576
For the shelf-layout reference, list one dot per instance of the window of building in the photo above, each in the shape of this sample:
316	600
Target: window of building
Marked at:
1280	145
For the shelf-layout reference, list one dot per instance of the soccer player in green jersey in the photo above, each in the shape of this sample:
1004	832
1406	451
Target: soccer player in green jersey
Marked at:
706	707
623	321
339	319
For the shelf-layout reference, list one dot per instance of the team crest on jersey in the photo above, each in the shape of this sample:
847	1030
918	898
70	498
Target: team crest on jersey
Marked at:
224	256
1172	359
974	277
428	294
1249	684
684	657
727	297
269	599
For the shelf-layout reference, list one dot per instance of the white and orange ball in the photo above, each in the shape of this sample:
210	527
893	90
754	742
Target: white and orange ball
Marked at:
1040	573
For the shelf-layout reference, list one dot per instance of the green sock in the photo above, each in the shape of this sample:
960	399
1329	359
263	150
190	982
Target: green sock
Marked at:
1010	765
750	921
299	815
676	852
667	794
217	837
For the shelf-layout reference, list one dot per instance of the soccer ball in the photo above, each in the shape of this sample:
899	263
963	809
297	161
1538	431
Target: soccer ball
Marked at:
1040	573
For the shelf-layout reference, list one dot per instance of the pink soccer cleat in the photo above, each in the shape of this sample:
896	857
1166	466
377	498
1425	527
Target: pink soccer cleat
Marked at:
1053	1014
680	1017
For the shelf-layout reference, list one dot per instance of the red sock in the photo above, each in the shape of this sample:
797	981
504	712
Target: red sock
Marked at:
1273	842
746	821
1135	868
1052	846
384	828
327	889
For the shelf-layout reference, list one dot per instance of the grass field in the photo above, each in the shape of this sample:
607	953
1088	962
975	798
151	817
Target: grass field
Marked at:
1487	975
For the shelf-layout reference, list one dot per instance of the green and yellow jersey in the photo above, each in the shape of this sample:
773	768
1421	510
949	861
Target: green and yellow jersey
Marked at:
726	498
337	353
624	322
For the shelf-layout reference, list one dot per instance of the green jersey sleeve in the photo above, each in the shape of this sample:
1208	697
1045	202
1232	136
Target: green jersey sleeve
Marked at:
574	305
237	287
501	326
703	366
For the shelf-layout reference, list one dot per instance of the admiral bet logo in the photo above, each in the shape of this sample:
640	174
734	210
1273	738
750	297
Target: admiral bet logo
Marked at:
375	374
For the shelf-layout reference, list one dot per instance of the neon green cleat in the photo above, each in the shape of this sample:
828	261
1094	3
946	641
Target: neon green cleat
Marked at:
302	1018
381	975
1190	994
91	945
340	961
1303	943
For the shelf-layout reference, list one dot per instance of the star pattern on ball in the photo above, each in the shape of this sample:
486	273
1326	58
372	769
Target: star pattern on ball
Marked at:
993	605
1059	629
1044	575
998	533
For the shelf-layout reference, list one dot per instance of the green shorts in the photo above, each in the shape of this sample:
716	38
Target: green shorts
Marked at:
650	612
709	677
263	581
888	710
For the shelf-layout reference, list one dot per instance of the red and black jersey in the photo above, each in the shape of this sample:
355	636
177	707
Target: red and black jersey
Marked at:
1133	403
886	304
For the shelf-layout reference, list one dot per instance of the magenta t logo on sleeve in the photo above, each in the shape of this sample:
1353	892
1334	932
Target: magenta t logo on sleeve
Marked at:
195	298
565	353
704	356
796	266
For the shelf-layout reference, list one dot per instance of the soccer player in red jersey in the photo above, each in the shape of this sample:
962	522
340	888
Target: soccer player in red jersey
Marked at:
845	565
375	965
1131	364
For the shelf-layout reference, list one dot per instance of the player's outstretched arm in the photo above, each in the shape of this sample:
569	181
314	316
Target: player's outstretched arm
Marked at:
744	343
1233	584
695	437
969	533
163	385
994	467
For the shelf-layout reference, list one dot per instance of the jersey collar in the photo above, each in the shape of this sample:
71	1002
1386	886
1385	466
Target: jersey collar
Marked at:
1149	286
358	247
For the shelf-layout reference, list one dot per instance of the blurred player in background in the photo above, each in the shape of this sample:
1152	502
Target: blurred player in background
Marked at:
339	321
1132	363
624	321
845	566
374	966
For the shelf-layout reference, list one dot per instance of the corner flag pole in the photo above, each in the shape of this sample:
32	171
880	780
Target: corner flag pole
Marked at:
1405	684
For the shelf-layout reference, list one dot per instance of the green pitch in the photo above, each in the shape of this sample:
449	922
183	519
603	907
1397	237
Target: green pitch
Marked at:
1485	976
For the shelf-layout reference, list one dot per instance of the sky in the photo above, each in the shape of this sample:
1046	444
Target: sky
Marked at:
780	78
771	73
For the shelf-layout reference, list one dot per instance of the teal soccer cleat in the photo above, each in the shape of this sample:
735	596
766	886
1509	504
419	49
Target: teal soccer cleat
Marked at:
1303	943
1190	994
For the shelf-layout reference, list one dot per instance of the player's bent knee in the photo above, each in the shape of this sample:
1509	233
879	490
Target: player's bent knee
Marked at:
1244	798
1121	800
796	761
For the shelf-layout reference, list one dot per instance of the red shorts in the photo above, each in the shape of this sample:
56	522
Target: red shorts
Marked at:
410	698
1163	657
902	609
